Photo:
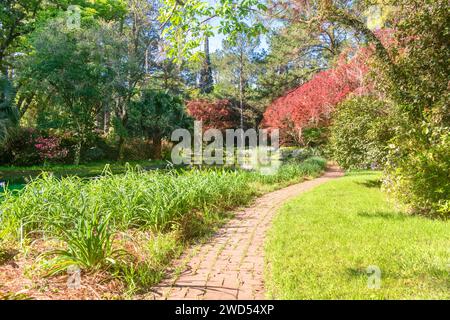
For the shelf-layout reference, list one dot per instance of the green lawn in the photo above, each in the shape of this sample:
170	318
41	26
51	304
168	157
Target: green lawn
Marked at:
322	243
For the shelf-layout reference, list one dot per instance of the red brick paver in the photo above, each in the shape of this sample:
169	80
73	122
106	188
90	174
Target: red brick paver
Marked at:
230	265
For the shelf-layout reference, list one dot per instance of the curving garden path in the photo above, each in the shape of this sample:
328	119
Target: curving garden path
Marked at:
230	265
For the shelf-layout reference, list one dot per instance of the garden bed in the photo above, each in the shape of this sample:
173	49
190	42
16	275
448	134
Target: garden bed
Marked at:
123	229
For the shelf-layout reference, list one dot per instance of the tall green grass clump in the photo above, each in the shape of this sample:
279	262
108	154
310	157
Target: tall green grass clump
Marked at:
293	170
91	219
90	246
136	199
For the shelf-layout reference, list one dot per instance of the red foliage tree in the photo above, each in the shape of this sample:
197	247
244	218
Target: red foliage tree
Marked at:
219	114
313	101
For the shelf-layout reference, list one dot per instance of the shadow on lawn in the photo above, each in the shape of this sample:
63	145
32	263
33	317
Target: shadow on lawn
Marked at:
439	273
362	173
356	272
371	184
382	214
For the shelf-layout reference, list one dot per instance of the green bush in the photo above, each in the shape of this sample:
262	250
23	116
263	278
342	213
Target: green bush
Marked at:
300	153
19	148
418	169
416	78
138	149
315	136
359	135
293	169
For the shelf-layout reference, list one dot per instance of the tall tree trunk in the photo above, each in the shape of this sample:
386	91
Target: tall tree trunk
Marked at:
79	145
122	114
206	78
77	156
106	118
157	145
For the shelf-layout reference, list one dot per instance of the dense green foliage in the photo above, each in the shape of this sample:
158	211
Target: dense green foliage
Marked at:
109	80
186	23
419	169
8	112
89	245
19	18
84	89
360	133
134	199
418	166
156	115
72	64
20	175
75	82
320	250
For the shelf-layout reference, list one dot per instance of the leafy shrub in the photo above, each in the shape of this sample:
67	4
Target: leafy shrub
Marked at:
154	253
49	149
155	115
27	146
314	136
359	135
416	77
138	149
218	114
20	148
135	199
292	170
418	169
95	148
93	154
9	114
300	154
98	147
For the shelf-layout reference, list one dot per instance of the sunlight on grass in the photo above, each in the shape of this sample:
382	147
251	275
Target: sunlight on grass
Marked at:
322	243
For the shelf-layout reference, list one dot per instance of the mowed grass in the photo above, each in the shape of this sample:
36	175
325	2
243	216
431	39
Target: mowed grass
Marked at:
322	243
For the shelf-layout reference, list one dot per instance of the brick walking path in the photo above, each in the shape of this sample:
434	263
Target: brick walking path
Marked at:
230	265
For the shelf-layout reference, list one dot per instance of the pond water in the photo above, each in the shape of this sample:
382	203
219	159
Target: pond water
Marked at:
12	187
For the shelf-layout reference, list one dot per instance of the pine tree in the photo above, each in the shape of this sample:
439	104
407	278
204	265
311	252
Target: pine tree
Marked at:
206	78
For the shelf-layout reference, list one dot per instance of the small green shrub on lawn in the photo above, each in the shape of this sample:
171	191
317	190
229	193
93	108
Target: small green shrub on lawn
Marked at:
359	135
